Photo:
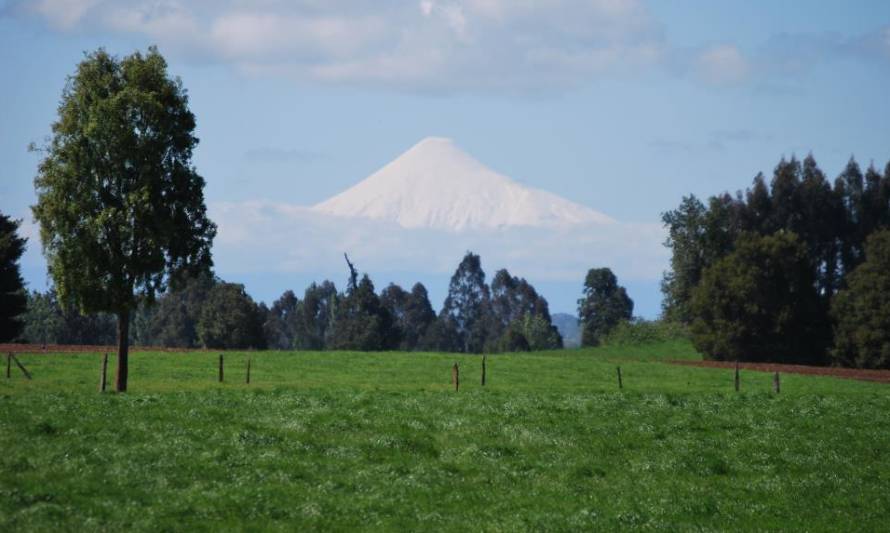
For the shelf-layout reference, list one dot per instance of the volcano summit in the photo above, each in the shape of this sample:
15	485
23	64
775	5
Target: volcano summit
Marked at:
437	185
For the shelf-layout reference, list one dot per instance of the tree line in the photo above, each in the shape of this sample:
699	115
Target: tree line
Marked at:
204	311
792	270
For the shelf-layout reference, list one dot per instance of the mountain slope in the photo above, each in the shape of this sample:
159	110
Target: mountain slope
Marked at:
437	185
569	329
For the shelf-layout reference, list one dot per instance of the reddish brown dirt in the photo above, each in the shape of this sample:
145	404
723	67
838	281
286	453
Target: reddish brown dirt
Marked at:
70	348
881	376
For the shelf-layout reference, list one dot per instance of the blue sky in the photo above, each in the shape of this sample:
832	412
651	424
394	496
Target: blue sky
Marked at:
621	105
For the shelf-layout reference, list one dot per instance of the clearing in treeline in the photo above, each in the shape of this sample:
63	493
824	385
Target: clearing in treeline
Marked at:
341	440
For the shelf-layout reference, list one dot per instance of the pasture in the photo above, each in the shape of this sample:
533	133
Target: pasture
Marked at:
345	441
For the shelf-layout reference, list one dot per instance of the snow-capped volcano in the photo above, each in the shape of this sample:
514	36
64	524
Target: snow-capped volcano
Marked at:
437	185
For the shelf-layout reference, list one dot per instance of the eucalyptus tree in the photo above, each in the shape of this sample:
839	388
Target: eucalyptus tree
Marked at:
119	203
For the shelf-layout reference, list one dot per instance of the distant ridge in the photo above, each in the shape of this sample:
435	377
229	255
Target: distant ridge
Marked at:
569	329
437	185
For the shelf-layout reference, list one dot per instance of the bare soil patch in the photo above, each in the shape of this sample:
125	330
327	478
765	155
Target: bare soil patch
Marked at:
881	376
80	348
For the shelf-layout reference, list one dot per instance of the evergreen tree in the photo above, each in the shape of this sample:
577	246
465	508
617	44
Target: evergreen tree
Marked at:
820	223
849	189
862	311
282	322
605	304
539	332
759	303
784	198
13	298
517	309
119	203
361	322
315	316
230	319
466	313
174	323
47	322
43	319
758	210
412	314
686	239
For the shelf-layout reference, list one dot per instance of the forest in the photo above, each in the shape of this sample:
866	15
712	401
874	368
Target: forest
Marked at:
796	270
204	311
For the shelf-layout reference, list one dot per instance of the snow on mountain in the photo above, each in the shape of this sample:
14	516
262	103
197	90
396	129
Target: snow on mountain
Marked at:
437	185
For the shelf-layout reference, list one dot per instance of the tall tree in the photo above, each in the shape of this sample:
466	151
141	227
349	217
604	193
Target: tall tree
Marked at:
315	316
411	312
518	310
820	225
281	322
178	311
230	319
849	188
119	203
759	303
13	299
467	308
361	322
784	198
417	318
605	304
686	239
862	311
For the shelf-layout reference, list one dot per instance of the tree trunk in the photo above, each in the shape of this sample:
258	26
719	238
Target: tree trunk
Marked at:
123	348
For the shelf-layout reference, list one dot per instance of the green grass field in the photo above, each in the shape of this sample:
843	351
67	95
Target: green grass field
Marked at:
345	441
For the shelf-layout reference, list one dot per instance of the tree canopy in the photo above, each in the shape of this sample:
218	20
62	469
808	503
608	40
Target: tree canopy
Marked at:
13	299
759	303
832	223
862	310
605	305
119	203
467	307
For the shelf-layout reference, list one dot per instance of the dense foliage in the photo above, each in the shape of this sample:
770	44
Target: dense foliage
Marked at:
230	319
47	322
605	305
12	290
862	310
830	221
204	311
119	204
759	303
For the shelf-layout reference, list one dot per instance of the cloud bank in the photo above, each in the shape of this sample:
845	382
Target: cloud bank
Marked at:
445	45
257	237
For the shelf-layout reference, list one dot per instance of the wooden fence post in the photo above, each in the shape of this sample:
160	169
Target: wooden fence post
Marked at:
248	370
103	377
220	368
737	383
483	370
776	383
620	384
455	377
21	367
8	365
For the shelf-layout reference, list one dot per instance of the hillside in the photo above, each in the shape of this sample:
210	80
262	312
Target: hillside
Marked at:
569	329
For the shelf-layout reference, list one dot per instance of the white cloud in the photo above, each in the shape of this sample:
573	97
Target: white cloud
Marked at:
64	14
258	237
446	45
442	44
